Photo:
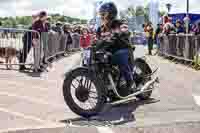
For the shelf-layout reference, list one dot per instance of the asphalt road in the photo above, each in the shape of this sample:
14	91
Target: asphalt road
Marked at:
34	103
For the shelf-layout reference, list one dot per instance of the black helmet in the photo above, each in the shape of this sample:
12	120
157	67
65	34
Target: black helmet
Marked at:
109	7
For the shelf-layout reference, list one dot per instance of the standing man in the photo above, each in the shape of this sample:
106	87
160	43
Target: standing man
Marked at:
41	27
27	43
67	33
150	37
76	39
157	34
179	27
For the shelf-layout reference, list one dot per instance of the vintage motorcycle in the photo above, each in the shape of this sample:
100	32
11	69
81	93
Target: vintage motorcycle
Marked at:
88	88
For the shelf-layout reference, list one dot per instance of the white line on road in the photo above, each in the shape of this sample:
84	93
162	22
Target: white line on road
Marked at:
22	84
197	99
34	100
104	130
49	126
24	116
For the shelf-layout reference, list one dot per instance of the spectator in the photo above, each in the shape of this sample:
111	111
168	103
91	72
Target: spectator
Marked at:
76	38
179	27
48	24
58	27
67	32
27	44
197	32
40	24
168	27
157	34
41	27
150	37
193	28
85	39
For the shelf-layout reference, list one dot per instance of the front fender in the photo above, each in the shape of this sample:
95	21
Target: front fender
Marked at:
68	73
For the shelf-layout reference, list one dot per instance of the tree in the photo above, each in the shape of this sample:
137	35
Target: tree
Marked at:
146	14
139	11
27	20
61	18
131	11
161	13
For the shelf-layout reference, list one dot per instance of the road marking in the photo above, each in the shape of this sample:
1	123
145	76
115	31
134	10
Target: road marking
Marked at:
34	100
23	115
16	83
49	126
104	130
197	99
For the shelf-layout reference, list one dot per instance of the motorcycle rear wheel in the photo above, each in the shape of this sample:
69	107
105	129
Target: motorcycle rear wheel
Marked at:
68	97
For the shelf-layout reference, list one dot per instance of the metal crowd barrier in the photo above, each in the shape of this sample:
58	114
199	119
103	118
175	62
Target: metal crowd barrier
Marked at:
180	46
56	44
18	44
15	45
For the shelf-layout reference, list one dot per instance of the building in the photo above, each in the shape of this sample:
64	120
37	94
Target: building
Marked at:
154	12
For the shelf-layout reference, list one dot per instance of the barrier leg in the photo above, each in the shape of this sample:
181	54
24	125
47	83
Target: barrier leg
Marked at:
37	58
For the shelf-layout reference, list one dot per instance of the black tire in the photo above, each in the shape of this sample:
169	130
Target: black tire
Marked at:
70	101
146	70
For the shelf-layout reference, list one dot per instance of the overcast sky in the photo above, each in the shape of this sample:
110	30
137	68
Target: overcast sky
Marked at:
79	8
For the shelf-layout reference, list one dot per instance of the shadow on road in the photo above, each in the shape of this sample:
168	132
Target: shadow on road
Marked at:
111	115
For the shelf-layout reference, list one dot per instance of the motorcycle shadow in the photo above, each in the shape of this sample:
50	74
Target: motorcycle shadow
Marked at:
112	115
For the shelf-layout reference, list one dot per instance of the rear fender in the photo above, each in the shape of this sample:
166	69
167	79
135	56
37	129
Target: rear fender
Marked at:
142	60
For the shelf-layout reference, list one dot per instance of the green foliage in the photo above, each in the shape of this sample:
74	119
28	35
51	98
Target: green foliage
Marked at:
162	13
139	11
131	11
146	14
11	22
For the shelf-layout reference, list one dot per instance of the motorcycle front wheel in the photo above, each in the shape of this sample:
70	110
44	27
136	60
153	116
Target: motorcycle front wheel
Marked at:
83	93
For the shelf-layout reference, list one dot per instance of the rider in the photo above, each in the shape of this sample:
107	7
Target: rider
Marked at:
112	35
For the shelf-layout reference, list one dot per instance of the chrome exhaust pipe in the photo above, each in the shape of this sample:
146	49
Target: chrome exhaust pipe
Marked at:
132	96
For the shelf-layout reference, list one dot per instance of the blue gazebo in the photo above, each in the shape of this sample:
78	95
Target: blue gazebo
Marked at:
194	18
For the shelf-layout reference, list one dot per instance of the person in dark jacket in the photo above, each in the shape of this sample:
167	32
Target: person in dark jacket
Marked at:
27	44
58	27
119	46
67	32
41	27
158	32
179	27
150	37
197	31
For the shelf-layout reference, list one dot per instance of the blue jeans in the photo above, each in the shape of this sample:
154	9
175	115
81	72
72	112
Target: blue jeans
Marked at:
120	58
158	42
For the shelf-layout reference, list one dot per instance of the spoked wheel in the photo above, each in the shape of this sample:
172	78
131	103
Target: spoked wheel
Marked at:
142	69
83	93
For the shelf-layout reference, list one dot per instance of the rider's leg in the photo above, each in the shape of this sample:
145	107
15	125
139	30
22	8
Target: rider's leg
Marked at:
121	59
